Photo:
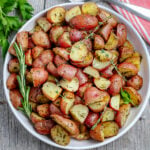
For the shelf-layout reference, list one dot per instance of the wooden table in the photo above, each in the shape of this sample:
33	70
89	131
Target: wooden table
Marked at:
14	137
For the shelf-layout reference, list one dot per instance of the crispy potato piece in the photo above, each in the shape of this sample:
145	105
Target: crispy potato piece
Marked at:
71	86
72	13
28	58
108	115
57	102
36	51
91	72
82	136
37	28
35	118
112	42
97	133
127	69
136	82
90	8
41	99
67	124
79	112
43	110
34	92
51	90
59	135
98	42
84	22
134	95
110	129
56	15
13	65
12	81
44	23
33	106
122	114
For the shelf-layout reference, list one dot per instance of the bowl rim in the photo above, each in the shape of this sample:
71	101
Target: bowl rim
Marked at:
96	144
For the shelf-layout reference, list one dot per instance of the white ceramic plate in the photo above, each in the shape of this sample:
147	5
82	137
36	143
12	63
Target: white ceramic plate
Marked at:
139	45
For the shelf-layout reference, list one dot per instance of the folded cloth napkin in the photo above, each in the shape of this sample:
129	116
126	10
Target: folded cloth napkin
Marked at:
141	25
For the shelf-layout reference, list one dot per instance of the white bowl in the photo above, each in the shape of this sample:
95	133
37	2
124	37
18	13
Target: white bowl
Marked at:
139	45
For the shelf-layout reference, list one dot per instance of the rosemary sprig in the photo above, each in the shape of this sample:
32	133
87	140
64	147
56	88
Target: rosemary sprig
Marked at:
26	107
99	120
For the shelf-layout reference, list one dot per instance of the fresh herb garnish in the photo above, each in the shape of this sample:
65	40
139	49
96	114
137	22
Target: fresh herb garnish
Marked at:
24	90
12	23
126	97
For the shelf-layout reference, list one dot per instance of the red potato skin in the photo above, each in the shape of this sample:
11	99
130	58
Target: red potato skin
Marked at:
41	38
15	98
66	71
116	84
52	69
83	88
105	31
12	81
61	52
54	110
76	35
121	33
82	77
136	82
22	39
88	44
107	73
39	76
13	65
91	119
34	119
58	60
78	100
34	92
84	22
43	110
30	43
98	40
28	57
36	51
12	51
44	126
37	63
46	56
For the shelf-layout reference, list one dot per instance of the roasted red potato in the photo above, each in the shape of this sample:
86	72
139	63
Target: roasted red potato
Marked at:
82	77
35	118
91	119
22	39
34	92
64	53
67	124
136	82
66	71
116	84
41	38
28	57
36	51
127	69
43	110
30	43
91	72
88	44
54	109
97	133
84	22
122	114
37	63
121	33
57	102
51	68
55	33
108	72
78	100
64	40
33	106
58	60
11	50
39	76
12	81
44	126
56	15
114	102
15	98
98	42
44	24
13	65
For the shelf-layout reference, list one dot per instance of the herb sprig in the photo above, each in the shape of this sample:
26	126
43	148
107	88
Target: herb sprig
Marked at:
12	23
26	107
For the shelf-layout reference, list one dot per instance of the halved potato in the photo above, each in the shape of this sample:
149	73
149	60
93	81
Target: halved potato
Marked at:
59	135
71	86
110	128
79	112
115	102
43	110
51	90
72	13
35	117
98	42
90	8
82	136
91	71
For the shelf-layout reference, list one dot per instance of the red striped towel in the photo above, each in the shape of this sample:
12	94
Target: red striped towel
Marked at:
141	25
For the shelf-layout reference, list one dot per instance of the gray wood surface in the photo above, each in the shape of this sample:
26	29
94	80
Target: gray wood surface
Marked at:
14	137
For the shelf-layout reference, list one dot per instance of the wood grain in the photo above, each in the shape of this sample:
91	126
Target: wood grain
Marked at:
14	137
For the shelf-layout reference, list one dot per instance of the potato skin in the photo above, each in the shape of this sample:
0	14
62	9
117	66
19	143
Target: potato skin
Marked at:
28	58
15	98
54	110
13	65
37	63
98	42
11	50
43	110
51	68
97	133
107	73
12	81
136	82
36	51
58	60
34	92
84	22
44	126
82	77
35	118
